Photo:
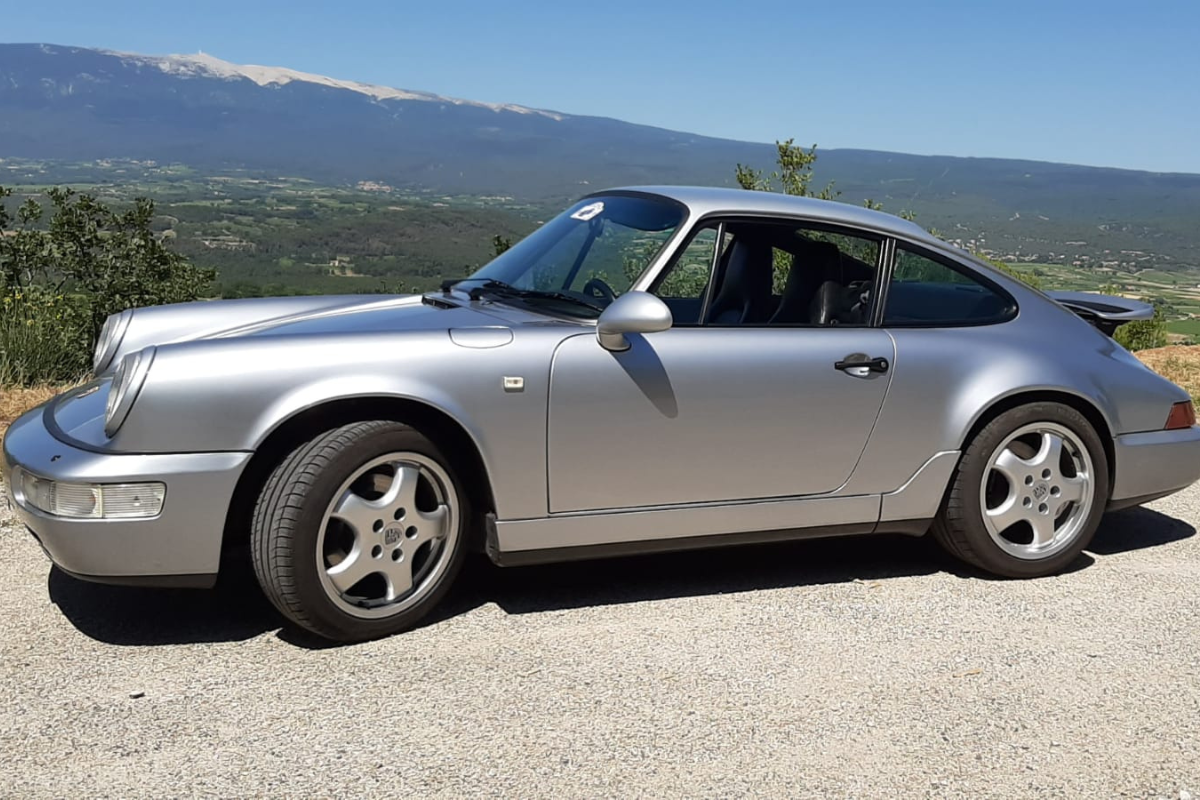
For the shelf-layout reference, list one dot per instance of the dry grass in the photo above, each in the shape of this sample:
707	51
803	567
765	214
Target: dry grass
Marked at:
15	402
1179	365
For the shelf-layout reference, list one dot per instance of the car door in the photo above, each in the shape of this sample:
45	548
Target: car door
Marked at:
713	412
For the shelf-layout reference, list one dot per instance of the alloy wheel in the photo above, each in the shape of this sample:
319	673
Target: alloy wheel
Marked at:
1037	491
386	536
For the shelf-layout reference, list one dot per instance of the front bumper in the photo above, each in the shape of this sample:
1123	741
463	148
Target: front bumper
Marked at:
181	546
1155	464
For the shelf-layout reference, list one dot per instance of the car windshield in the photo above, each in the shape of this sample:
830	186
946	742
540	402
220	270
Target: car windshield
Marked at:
580	261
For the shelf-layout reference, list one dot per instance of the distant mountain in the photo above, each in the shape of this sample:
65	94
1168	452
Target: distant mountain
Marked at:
80	104
76	103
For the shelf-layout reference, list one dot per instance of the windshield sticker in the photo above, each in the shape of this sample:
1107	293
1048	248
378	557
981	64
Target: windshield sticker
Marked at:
588	211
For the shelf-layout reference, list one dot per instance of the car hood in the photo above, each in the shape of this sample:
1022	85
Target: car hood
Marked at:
408	313
286	316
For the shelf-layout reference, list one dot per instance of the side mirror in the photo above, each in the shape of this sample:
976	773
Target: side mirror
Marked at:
632	312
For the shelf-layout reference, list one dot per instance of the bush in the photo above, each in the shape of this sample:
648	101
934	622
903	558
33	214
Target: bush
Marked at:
1143	334
60	280
43	338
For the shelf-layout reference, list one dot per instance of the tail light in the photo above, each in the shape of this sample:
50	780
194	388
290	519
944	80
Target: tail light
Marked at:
1183	415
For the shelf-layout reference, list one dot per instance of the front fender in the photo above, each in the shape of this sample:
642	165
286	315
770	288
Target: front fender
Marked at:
351	386
230	394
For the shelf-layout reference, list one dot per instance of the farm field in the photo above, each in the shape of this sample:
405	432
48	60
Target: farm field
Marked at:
1187	327
267	234
1178	292
271	235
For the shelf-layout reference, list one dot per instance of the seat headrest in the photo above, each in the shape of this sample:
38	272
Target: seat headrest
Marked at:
824	260
749	267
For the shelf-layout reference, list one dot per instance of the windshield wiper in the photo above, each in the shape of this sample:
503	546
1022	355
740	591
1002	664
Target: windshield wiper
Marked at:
450	283
507	289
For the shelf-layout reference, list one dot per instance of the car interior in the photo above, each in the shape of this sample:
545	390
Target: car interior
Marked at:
822	285
772	274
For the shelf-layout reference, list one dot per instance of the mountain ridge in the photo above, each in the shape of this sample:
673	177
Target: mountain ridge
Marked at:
207	65
202	64
83	104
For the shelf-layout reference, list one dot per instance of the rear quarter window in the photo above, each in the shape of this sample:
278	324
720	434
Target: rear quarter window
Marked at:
928	291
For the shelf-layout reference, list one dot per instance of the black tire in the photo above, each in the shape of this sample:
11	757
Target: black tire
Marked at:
959	527
291	509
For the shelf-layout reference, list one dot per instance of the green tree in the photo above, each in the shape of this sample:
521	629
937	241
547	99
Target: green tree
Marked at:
115	259
1141	334
794	174
67	265
501	244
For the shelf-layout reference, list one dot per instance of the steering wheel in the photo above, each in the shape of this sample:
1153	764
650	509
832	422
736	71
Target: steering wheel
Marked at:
597	288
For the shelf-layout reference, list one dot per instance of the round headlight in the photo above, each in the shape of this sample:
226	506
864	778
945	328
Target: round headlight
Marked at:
117	387
126	383
110	340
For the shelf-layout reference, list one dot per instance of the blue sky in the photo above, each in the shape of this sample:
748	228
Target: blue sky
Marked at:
1105	83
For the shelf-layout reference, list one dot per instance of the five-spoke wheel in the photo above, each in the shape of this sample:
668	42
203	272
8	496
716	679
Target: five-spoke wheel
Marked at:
384	531
359	532
1028	493
1037	491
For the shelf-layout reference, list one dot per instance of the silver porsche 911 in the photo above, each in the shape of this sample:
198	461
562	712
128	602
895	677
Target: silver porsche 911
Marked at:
654	369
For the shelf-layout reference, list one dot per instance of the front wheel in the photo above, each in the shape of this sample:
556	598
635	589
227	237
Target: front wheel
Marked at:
1028	494
359	533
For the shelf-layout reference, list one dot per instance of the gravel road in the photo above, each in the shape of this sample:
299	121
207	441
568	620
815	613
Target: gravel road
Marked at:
846	667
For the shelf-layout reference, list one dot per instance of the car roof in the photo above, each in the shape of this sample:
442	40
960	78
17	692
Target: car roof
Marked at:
703	200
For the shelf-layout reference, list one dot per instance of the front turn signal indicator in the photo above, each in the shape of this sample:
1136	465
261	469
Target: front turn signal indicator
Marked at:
1183	415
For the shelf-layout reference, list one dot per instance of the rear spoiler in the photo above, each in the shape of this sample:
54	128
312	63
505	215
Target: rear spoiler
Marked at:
1105	312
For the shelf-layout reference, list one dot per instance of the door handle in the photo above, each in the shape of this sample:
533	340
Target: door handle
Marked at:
860	365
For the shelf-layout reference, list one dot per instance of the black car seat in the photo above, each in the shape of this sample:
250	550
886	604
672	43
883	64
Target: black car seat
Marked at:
827	304
746	289
819	263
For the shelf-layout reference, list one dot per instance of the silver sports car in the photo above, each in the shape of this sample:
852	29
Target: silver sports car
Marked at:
654	369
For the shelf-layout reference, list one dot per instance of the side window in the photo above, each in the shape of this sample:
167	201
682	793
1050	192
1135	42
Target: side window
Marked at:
927	292
784	273
685	282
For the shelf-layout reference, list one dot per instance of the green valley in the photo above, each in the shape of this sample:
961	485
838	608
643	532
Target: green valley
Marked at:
266	234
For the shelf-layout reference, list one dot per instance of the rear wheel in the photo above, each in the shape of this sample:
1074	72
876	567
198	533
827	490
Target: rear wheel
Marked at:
359	533
1028	494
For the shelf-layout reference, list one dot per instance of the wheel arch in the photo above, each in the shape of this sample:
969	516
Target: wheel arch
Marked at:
1091	412
448	433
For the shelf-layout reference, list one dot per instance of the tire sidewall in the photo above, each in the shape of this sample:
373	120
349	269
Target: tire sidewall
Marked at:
970	478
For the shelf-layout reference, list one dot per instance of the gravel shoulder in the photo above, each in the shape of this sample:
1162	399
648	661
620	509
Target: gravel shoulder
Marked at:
848	667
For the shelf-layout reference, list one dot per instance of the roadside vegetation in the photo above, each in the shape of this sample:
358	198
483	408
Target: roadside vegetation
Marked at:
68	263
16	400
1179	364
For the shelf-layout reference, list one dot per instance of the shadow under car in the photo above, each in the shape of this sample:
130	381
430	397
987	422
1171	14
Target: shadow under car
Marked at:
236	610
